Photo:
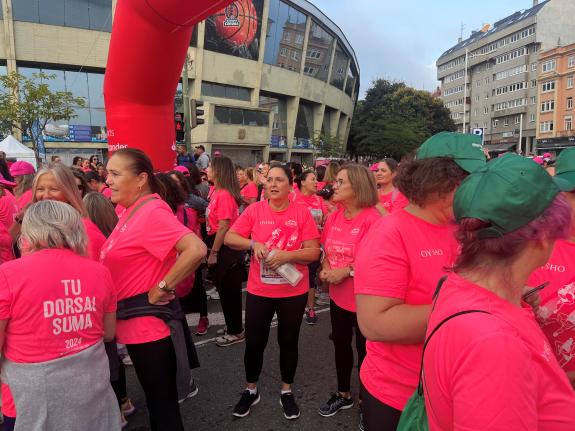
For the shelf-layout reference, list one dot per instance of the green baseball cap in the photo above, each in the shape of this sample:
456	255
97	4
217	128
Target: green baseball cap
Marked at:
565	166
465	149
508	192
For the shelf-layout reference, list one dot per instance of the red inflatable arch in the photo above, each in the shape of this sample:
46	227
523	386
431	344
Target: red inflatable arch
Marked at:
150	39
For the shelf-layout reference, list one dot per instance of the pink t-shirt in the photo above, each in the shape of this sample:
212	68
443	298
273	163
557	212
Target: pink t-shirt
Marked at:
96	238
320	185
556	311
393	201
53	309
249	191
8	209
340	239
6	250
106	191
315	205
284	230
191	218
222	206
139	253
492	372
24	199
403	257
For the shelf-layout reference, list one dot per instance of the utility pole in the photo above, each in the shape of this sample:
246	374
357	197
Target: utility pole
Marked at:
520	144
186	103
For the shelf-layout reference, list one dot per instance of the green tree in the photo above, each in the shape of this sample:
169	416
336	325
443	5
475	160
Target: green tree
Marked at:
328	146
24	101
394	120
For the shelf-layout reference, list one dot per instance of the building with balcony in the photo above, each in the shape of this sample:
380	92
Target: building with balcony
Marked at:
556	93
270	89
489	80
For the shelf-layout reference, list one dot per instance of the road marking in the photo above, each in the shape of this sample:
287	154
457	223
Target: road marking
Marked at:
219	316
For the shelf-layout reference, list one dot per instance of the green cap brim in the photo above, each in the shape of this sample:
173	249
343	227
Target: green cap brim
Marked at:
470	165
565	181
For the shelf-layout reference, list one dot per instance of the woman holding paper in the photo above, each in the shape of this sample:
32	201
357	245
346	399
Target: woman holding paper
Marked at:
283	239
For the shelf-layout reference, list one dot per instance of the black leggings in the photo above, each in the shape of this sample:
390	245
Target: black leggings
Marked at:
259	314
343	325
378	416
155	365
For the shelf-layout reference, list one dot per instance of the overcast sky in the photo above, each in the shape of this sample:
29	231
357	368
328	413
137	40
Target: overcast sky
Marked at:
402	40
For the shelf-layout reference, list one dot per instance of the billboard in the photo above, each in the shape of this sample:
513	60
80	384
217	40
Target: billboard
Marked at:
236	29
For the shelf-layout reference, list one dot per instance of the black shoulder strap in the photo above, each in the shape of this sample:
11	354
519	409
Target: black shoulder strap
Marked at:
185	217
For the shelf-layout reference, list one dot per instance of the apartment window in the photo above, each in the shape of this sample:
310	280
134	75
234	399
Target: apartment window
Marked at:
571	61
477	98
475	113
548	86
487	95
569	103
299	39
486	110
309	70
284	52
533	83
314	53
548	106
517	119
546	126
287	36
533	100
532	118
495	124
484	125
506	122
569	82
569	123
487	80
478	84
295	55
549	66
534	67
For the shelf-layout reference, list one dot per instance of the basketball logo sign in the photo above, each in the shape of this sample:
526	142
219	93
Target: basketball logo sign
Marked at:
232	13
236	29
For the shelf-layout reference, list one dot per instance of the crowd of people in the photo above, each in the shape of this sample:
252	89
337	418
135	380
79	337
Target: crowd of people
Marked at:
448	278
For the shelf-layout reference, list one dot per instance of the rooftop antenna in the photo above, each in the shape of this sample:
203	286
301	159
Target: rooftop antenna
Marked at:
461	32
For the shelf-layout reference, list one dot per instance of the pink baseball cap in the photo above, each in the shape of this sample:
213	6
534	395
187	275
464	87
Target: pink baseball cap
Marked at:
21	168
538	160
547	155
183	170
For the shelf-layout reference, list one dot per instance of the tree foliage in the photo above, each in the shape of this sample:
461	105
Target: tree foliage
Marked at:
394	120
328	146
24	101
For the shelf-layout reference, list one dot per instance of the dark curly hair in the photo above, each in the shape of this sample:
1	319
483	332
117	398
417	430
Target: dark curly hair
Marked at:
419	180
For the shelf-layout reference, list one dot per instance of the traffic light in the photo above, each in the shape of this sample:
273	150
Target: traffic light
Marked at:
180	127
196	112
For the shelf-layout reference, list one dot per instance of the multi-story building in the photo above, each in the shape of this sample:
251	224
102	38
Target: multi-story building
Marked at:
489	80
556	93
270	88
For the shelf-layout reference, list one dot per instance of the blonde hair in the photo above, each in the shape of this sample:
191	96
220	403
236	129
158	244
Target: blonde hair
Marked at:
53	224
363	184
66	181
331	172
250	173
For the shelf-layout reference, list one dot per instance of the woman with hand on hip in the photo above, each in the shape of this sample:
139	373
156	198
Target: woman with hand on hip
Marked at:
284	240
355	192
149	253
227	264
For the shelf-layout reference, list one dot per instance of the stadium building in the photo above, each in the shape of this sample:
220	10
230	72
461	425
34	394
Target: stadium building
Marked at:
274	76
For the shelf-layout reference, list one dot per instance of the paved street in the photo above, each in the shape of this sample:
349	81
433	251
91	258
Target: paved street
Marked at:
221	380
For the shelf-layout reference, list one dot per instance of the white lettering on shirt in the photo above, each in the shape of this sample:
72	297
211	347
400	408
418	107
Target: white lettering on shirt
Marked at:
432	252
72	313
555	268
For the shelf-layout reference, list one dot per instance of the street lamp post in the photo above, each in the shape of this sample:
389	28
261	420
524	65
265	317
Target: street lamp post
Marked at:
465	89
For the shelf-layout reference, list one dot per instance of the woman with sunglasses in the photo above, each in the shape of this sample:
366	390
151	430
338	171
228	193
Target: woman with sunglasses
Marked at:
282	236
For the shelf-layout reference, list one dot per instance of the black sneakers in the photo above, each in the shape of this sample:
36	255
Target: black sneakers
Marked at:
291	410
335	404
242	408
